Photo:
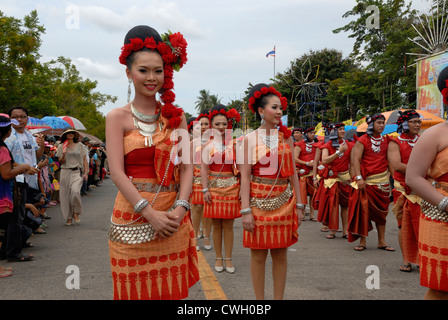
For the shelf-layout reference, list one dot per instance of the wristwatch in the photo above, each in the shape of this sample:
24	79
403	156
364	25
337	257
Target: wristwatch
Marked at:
359	178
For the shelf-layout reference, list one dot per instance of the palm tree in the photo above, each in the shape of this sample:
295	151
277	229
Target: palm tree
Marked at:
206	100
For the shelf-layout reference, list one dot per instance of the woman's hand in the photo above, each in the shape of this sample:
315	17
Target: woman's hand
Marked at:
248	222
208	197
300	216
162	223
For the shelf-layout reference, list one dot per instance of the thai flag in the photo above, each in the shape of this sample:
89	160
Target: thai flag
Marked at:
271	53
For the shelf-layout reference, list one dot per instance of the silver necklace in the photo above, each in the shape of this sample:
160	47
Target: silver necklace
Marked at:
146	125
376	143
411	142
309	146
270	141
144	117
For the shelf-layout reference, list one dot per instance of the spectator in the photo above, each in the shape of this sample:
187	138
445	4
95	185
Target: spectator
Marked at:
71	155
25	149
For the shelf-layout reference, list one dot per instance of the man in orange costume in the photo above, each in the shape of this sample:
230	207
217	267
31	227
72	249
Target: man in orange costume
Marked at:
369	200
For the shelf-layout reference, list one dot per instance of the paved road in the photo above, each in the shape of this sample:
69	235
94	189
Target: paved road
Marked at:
319	269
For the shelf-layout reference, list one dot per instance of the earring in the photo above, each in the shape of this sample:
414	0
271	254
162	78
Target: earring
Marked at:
129	90
262	119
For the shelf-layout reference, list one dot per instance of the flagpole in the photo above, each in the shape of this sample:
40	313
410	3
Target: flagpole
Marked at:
274	60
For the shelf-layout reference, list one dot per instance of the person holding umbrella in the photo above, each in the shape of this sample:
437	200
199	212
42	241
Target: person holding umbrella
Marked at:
74	167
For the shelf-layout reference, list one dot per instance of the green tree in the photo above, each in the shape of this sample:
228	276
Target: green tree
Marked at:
383	53
52	88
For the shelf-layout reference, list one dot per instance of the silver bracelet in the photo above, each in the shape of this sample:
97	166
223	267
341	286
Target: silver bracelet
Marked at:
300	206
182	203
142	203
246	211
204	190
443	204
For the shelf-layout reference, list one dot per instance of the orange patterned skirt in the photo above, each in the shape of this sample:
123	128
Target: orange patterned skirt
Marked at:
225	198
273	228
197	197
433	253
158	269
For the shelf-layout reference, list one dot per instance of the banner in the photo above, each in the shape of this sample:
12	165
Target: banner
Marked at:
428	95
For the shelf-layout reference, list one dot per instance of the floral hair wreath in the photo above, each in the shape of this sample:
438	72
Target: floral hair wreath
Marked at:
173	50
232	114
264	91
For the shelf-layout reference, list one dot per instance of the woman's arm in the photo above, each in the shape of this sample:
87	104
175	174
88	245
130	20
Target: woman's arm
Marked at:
422	156
245	171
295	183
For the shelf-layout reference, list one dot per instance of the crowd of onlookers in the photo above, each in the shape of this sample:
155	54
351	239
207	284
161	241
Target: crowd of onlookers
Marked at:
29	182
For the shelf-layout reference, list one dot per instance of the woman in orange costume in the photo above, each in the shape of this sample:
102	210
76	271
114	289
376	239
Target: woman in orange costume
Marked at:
151	240
431	152
272	210
220	184
201	135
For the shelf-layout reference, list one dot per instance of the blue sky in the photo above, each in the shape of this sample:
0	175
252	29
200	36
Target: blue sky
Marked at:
228	40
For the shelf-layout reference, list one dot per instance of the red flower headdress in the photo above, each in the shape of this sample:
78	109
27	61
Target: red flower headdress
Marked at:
232	114
173	50
264	91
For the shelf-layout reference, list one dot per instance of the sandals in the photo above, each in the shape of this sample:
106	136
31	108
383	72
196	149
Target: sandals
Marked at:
360	248
406	267
386	248
330	236
5	272
21	257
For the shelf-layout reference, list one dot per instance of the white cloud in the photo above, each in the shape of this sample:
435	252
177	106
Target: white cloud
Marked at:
165	15
97	69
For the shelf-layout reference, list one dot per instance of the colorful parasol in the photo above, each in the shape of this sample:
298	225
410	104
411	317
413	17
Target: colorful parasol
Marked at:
73	122
35	123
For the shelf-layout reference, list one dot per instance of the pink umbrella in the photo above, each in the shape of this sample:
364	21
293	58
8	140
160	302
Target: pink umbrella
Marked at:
73	122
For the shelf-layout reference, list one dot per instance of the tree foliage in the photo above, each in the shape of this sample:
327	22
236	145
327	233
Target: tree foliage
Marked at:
45	89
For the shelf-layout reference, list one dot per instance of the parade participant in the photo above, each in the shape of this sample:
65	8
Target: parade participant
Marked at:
151	240
297	135
271	208
74	169
336	181
305	153
406	203
201	135
220	183
429	158
318	171
369	201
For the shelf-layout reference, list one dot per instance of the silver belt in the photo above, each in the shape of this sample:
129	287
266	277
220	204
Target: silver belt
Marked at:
432	212
154	187
268	204
132	234
269	181
223	183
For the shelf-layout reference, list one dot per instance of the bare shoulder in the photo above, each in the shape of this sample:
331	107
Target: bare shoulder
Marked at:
118	113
